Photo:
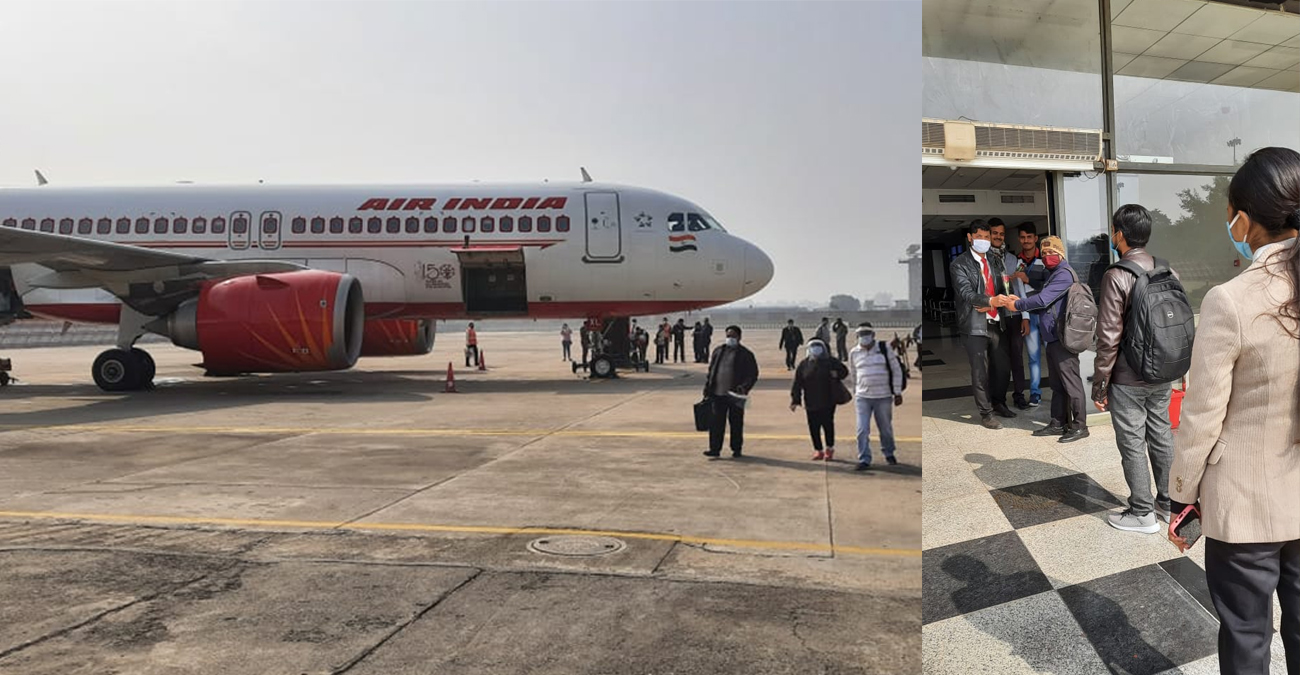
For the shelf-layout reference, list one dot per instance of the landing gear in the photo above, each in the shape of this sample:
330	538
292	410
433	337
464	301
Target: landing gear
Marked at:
124	370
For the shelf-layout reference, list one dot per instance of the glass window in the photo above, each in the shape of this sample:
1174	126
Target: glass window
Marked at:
375	225
412	225
354	225
543	223
85	226
142	226
394	225
66	226
1086	234
449	224
507	224
562	224
270	224
336	225
467	224
239	225
161	225
695	223
180	225
431	225
1012	62
219	225
200	225
47	225
525	223
123	225
29	223
298	225
488	224
10	222
676	222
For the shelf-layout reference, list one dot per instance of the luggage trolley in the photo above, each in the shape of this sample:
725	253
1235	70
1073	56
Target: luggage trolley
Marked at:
612	350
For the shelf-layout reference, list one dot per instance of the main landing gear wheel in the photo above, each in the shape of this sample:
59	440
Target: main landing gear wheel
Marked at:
602	367
123	370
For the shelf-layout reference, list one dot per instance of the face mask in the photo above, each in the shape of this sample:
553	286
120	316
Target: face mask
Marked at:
1243	248
1114	250
816	351
981	245
1052	261
866	340
732	342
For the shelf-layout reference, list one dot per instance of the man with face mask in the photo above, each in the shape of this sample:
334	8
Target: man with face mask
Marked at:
977	278
732	370
878	386
1069	419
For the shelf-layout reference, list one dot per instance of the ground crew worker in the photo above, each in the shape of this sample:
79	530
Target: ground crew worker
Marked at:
471	345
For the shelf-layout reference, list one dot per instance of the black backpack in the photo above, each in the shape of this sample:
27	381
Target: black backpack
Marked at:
884	351
1077	325
1159	329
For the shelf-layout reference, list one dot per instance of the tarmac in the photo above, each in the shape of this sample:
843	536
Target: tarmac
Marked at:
365	521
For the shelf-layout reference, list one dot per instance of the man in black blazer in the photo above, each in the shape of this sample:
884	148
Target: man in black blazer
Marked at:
976	278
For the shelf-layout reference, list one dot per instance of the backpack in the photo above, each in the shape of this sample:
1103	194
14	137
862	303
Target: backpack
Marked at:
890	368
1077	325
1159	329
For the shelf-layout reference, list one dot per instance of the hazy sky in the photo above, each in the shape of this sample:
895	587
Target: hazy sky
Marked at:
795	124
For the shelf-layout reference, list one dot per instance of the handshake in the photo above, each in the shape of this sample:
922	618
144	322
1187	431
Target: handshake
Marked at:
1004	301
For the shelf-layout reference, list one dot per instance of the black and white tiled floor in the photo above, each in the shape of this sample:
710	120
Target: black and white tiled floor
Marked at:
1022	574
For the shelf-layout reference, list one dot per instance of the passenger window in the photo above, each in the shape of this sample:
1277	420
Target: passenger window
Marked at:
676	223
507	224
66	225
270	225
239	225
394	225
298	225
200	225
562	224
180	226
431	225
543	223
525	223
10	222
124	226
47	225
219	225
336	225
85	225
142	226
160	226
375	225
449	224
354	225
412	225
29	223
105	226
467	224
489	224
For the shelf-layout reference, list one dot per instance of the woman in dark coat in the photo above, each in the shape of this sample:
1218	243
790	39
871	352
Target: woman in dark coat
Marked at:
815	381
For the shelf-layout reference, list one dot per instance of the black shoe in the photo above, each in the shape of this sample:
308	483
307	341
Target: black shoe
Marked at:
988	422
891	460
737	454
1021	403
1001	410
1050	430
862	466
1073	435
710	453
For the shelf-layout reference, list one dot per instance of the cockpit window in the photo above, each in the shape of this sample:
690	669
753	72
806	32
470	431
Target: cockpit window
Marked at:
676	223
695	222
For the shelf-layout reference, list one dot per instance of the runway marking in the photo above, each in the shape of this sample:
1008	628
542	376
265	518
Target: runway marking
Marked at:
404	432
468	529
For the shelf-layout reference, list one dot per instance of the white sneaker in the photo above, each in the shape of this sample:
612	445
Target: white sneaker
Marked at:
1129	522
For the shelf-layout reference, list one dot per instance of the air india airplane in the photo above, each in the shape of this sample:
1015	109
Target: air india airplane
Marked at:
263	279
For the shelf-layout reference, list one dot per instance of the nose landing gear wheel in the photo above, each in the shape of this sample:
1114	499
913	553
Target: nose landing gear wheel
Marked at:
602	367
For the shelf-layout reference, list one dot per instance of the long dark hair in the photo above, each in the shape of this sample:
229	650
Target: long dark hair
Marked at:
1267	187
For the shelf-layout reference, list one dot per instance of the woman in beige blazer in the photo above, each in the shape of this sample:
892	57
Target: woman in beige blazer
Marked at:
1238	451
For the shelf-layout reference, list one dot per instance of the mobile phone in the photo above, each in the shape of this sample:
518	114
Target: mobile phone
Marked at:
1188	525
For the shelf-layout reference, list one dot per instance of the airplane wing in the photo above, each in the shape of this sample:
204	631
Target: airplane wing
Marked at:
65	254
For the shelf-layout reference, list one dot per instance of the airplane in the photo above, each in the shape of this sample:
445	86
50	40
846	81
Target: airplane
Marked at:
264	279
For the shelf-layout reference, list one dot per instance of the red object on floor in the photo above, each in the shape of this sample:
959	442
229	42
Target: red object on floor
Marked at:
1176	405
451	380
482	362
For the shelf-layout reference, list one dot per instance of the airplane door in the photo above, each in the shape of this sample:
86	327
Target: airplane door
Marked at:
604	231
270	228
240	224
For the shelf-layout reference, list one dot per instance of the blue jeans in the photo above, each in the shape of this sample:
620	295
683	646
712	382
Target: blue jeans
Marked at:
1034	348
883	410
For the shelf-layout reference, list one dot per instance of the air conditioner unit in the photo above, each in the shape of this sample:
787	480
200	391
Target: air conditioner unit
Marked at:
1007	145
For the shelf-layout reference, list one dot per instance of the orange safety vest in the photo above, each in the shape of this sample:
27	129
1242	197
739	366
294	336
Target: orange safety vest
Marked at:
471	338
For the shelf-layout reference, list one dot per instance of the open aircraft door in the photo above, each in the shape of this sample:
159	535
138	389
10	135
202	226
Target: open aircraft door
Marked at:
493	279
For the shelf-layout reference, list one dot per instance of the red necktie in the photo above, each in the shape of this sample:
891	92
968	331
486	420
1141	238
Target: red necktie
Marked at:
988	285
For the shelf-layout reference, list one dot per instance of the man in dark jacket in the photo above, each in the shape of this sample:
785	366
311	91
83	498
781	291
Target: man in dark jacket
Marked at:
708	339
977	278
1069	419
679	341
841	331
1139	411
732	370
791	339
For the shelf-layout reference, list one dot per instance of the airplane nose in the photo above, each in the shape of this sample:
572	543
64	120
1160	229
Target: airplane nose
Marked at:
758	269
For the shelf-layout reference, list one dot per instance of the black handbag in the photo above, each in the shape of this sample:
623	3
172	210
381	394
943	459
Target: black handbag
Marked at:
703	413
842	393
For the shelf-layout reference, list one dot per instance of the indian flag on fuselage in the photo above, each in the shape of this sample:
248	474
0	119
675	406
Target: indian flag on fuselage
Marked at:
681	242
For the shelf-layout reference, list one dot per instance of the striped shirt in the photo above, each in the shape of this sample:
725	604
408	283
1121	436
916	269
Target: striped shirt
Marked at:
870	372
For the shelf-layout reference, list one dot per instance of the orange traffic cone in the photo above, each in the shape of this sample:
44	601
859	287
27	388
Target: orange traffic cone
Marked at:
482	362
451	380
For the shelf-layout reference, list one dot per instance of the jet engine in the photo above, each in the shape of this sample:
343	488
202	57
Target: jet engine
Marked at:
398	337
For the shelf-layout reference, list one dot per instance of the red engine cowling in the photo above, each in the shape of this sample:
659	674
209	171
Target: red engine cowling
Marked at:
273	323
398	337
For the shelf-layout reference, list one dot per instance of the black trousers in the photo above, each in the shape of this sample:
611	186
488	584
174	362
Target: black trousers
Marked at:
988	367
1067	387
724	412
471	350
790	356
819	420
841	349
1016	352
1242	578
679	350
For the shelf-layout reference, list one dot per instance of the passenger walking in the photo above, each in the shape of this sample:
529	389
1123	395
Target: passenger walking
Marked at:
1236	452
815	382
1017	328
1139	410
679	341
584	336
878	389
566	342
1032	274
733	371
708	340
977	279
823	331
697	341
1069	419
471	345
841	331
662	336
791	340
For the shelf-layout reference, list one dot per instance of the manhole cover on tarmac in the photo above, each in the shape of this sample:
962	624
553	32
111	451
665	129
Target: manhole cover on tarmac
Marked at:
576	545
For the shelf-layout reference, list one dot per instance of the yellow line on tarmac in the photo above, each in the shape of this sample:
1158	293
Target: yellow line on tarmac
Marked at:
132	428
465	529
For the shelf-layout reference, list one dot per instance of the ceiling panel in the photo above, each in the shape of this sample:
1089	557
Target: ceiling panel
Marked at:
1161	15
1245	76
1199	71
1118	61
1117	6
1151	66
1279	58
1272	28
1218	21
1235	52
1175	46
1133	40
1287	80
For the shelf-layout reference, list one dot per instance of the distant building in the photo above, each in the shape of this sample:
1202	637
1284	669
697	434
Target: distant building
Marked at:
913	262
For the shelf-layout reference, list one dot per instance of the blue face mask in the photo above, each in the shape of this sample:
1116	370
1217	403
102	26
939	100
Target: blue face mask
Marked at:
1243	248
1114	250
816	351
